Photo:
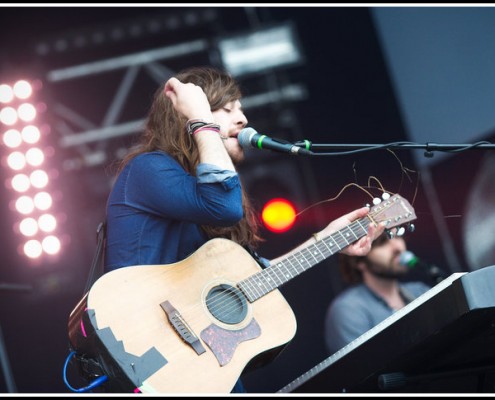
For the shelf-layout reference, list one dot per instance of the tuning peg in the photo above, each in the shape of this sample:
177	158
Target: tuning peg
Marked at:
385	196
389	234
411	227
401	231
377	201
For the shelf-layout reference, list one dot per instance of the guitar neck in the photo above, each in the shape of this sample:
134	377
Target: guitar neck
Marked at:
263	282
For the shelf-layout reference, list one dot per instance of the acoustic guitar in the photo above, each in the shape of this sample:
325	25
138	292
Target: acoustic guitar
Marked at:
196	325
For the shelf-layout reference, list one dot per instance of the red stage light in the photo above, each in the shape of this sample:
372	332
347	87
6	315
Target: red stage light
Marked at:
278	215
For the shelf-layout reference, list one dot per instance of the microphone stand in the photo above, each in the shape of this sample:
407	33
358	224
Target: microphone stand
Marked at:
428	147
4	360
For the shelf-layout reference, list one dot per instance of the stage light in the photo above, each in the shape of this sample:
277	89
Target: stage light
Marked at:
33	248
38	178
26	112
42	201
47	223
28	226
278	215
8	116
24	205
35	157
16	160
20	183
258	51
12	138
51	245
22	89
6	94
31	134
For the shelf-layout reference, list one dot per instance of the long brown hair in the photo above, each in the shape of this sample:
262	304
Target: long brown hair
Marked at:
165	131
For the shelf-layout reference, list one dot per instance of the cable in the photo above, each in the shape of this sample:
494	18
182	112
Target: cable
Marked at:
97	382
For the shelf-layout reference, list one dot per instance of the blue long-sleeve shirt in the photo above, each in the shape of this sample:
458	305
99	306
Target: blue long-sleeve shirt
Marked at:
155	210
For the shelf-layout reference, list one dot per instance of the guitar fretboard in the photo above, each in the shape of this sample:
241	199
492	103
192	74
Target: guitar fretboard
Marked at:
263	282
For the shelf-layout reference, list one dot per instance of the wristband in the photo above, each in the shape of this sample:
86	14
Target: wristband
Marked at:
194	124
208	127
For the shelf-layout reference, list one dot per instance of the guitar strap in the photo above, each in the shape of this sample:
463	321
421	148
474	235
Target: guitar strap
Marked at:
262	261
91	367
101	235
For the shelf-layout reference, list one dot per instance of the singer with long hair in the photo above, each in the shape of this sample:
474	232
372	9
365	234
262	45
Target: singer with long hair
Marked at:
178	187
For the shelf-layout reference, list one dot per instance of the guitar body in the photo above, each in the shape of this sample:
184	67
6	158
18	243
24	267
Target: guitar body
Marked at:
133	311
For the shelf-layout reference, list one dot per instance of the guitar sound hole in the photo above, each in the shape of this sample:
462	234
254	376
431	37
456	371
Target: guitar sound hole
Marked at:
227	304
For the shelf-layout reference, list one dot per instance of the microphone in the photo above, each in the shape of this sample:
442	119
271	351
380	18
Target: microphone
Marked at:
248	137
409	259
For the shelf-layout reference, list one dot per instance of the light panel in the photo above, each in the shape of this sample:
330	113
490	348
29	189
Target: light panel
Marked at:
261	50
25	158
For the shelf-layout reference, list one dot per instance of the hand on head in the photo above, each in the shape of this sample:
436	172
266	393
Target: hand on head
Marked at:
188	99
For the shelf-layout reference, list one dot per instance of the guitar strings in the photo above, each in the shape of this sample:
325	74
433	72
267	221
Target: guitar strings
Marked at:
218	304
304	252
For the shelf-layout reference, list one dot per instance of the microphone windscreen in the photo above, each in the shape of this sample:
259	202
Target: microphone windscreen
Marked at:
245	136
408	259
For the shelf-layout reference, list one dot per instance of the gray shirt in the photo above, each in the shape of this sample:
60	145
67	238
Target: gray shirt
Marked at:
357	310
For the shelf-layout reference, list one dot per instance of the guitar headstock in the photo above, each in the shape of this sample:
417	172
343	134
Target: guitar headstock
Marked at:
394	211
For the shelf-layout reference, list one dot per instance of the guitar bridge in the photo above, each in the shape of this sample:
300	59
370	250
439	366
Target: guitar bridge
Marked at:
182	328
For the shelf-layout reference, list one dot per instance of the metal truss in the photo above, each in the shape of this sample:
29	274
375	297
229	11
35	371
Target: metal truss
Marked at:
78	131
